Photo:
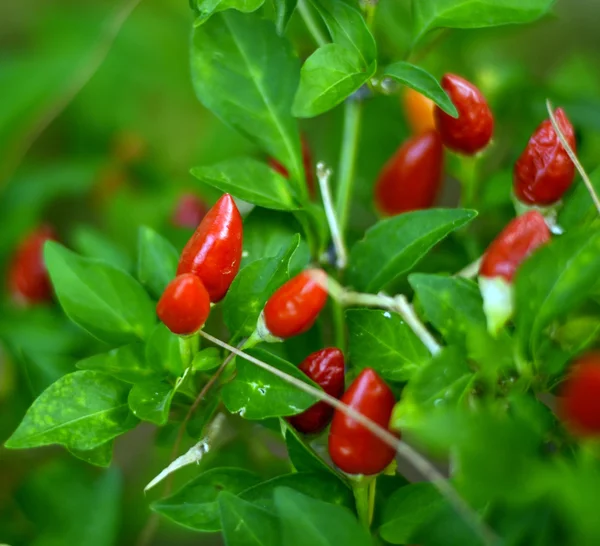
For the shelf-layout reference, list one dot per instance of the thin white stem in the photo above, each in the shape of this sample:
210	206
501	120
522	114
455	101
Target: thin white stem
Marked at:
571	154
323	175
470	270
402	448
407	312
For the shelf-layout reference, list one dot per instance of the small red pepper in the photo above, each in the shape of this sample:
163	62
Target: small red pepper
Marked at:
28	278
544	171
189	211
326	368
295	306
579	400
214	252
418	110
515	243
352	447
184	305
308	168
411	179
473	129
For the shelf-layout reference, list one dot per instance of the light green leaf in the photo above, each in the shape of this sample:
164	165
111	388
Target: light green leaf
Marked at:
579	209
206	360
104	300
395	245
93	244
157	261
99	456
381	340
330	75
163	351
250	180
81	410
422	81
284	10
151	401
206	8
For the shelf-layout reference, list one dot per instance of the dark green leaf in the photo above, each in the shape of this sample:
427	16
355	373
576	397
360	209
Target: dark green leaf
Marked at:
321	523
579	209
104	300
151	401
324	486
206	8
127	363
451	304
82	410
302	456
381	340
258	394
250	180
422	81
553	281
247	75
195	505
206	360
157	261
253	286
99	456
284	10
245	524
163	351
432	14
407	509
92	243
330	75
395	245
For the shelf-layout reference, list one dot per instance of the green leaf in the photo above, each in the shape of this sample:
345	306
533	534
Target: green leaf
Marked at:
395	245
579	209
247	75
127	363
432	14
245	524
195	505
151	401
284	10
422	81
381	340
99	456
92	243
82	410
407	509
206	360
253	286
258	394
348	28
157	261
163	351
250	180
321	523
553	281
104	300
451	304
324	486
302	456
330	75
206	8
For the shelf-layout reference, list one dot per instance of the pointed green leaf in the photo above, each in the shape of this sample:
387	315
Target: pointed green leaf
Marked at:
151	401
99	456
157	261
206	8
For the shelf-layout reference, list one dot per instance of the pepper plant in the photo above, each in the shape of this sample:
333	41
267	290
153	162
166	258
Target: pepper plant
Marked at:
412	378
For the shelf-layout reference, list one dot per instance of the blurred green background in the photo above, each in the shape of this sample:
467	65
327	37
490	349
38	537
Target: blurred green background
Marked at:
99	127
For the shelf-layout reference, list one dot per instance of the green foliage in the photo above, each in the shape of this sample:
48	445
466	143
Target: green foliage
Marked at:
156	262
206	8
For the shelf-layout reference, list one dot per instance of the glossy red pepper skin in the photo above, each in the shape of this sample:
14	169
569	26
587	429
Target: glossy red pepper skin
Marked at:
308	168
519	239
184	305
189	211
326	369
214	252
411	179
28	279
472	131
579	399
544	171
295	306
352	447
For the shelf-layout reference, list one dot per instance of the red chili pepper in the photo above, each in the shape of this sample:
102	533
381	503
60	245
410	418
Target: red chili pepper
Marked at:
189	211
418	110
579	401
184	305
308	168
515	243
544	171
326	368
295	306
214	252
28	278
472	130
352	447
411	179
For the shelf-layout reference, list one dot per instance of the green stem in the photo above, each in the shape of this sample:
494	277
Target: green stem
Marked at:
188	347
468	178
311	23
339	326
347	164
364	496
